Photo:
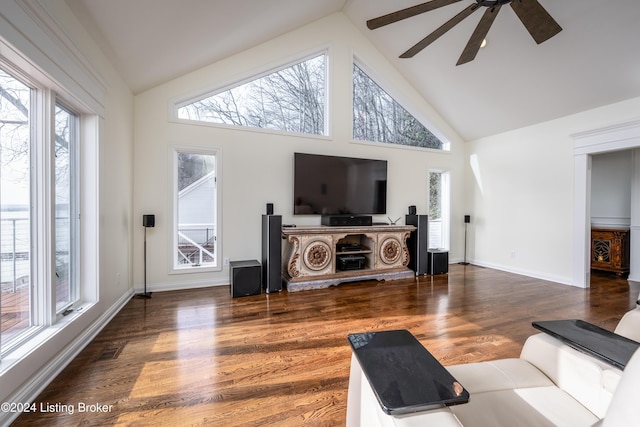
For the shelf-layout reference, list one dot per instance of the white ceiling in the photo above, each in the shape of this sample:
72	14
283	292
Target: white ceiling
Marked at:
512	83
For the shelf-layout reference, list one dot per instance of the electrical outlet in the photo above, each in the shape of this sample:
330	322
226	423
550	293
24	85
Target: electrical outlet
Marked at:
513	254
226	261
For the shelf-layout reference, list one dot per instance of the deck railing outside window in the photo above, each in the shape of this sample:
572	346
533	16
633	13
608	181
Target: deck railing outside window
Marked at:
196	245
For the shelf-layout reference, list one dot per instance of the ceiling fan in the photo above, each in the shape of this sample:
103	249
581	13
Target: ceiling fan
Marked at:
533	16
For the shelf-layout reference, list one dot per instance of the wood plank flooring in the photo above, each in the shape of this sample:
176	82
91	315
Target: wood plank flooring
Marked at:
199	357
14	311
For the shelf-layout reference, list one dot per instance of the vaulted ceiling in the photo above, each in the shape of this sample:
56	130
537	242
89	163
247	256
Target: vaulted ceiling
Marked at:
512	83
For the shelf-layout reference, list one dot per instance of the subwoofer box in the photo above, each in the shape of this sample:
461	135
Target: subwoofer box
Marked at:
245	278
438	261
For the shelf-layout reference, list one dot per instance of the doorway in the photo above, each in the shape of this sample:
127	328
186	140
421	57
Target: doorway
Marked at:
587	144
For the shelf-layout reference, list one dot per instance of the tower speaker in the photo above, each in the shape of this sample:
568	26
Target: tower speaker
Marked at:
148	221
245	278
272	253
418	243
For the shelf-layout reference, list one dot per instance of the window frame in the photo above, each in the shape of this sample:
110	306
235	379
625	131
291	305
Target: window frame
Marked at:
37	312
400	100
45	95
445	205
74	212
179	102
174	267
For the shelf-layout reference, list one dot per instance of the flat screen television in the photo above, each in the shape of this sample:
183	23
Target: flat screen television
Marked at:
331	185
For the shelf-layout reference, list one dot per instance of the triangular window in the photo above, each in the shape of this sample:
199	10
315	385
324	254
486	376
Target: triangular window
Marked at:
291	99
378	117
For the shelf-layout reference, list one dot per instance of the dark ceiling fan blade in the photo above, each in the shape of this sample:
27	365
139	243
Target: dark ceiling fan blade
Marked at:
473	45
440	31
536	19
409	12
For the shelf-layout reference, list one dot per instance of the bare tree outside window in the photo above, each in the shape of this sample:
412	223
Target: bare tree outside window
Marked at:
435	196
378	117
290	100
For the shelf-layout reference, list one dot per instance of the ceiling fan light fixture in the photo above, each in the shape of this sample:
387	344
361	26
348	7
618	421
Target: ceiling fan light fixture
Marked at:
538	22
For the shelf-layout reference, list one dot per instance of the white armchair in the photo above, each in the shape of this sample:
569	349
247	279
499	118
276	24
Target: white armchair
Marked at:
550	384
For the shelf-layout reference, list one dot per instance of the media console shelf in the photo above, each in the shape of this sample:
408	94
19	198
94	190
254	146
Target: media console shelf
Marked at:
318	257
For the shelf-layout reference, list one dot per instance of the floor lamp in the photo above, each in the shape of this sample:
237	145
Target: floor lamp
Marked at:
147	222
467	220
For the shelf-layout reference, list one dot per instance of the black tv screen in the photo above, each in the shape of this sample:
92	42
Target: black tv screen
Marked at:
331	185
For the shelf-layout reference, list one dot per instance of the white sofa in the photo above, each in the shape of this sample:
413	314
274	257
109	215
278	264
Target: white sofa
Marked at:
550	384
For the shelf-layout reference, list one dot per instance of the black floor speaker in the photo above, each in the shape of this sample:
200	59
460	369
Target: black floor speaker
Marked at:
438	261
272	253
418	243
244	278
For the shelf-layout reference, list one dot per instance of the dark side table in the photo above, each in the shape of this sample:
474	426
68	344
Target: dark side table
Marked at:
404	376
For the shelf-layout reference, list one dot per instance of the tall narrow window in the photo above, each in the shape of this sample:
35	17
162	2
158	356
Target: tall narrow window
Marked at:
65	141
439	209
291	99
15	200
196	209
378	117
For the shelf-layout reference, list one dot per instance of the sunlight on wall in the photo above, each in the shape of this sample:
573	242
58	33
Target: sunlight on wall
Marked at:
475	167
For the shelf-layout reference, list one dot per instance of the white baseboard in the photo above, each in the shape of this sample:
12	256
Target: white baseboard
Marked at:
529	273
42	378
178	286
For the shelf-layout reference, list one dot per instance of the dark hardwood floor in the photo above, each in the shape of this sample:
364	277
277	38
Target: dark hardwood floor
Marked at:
199	357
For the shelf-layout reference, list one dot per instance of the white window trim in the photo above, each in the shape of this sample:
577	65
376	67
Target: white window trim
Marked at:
173	209
181	101
74	212
445	208
43	301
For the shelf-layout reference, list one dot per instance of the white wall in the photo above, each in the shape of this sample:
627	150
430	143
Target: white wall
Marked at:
634	272
42	31
523	208
257	167
611	175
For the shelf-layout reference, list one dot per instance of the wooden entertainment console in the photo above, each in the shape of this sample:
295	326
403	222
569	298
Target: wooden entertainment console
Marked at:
318	257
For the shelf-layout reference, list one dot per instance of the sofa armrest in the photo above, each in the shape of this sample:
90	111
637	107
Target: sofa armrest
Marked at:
588	380
629	325
363	409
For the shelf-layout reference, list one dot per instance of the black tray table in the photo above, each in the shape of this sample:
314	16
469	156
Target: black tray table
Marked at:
404	376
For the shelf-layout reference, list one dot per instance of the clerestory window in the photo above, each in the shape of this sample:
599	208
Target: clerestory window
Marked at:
377	117
291	99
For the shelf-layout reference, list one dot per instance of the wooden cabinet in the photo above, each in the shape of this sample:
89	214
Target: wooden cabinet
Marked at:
610	249
320	256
